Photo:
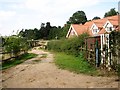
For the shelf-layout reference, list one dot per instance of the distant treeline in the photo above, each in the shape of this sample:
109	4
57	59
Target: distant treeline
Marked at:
46	31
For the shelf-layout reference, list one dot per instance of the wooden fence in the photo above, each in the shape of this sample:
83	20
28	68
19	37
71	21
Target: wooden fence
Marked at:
92	50
102	58
5	56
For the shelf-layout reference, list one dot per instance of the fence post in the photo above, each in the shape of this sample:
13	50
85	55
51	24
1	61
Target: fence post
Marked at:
96	53
109	61
101	39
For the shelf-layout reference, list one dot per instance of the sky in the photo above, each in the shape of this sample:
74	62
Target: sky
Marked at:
16	15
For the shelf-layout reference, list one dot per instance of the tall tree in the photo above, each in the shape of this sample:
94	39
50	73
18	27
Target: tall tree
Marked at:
36	33
112	12
78	17
48	27
44	30
96	17
42	25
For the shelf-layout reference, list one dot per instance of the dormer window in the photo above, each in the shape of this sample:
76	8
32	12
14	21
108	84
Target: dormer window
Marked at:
109	29
95	31
106	25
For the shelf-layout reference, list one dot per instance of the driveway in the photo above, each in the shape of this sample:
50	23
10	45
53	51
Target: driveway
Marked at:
41	72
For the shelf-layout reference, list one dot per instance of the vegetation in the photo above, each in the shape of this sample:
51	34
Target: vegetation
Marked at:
96	17
30	34
69	46
74	64
18	60
112	12
14	44
72	59
78	17
45	32
115	48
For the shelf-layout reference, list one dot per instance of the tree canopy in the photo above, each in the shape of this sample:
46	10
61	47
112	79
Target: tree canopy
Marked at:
15	44
96	17
30	33
112	12
78	17
46	31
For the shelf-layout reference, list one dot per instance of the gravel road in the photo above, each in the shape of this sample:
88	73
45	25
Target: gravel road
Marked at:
41	72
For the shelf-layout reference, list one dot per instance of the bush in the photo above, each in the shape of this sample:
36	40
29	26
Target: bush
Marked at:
69	46
15	44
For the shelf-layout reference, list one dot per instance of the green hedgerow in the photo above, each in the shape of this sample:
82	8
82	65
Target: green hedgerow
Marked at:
69	46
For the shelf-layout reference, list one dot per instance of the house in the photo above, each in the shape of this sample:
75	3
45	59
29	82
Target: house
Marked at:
94	27
76	29
99	36
111	24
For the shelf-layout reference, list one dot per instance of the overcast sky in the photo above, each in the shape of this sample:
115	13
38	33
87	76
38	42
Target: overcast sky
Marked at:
29	14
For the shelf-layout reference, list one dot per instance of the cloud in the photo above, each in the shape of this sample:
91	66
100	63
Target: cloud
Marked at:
4	15
18	14
109	0
58	5
49	9
6	18
0	25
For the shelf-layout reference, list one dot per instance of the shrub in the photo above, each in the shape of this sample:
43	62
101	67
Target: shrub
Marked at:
69	46
15	44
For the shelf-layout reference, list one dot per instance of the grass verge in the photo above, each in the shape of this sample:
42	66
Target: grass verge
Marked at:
17	61
74	64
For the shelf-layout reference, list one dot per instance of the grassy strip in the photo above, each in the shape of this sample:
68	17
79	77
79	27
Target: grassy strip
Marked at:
17	61
74	64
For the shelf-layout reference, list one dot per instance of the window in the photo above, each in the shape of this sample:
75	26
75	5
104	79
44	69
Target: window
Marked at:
106	25
72	32
95	31
109	29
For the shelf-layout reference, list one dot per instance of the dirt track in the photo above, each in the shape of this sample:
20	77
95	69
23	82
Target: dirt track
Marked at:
42	73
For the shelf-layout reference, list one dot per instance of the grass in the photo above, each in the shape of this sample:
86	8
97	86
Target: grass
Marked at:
17	61
74	64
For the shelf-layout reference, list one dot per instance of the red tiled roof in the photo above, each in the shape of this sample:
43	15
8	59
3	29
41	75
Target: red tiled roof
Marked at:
80	28
89	24
113	20
102	31
113	17
99	23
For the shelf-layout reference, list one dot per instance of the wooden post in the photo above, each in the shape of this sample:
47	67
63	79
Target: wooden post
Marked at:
109	61
101	39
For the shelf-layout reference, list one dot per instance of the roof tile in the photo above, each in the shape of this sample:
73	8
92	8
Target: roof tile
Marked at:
99	23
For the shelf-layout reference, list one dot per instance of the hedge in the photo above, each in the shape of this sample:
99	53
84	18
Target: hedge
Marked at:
69	46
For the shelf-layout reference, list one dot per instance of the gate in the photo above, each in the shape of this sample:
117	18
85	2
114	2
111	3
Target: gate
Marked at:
93	50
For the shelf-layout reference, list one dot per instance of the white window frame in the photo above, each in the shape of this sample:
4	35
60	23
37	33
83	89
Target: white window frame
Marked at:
108	26
94	29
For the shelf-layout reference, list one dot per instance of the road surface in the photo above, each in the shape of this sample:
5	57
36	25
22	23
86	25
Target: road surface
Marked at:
41	72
